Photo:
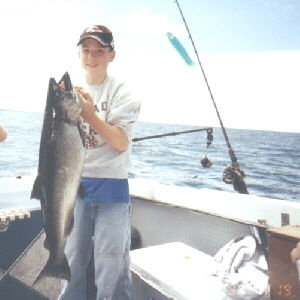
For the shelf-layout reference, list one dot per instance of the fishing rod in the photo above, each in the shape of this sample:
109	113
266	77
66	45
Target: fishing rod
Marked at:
206	163
137	139
232	174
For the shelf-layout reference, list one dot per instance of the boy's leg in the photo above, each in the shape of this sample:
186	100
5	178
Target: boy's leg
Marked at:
78	251
123	288
111	251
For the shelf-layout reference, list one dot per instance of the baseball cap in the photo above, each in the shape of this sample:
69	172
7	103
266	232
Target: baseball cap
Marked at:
99	33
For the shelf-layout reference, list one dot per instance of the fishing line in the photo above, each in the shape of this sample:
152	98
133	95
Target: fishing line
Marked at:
232	174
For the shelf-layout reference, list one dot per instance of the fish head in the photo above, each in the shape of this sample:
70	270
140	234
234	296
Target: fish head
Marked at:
68	104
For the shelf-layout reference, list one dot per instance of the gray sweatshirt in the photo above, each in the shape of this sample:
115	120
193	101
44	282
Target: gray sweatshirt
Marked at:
114	104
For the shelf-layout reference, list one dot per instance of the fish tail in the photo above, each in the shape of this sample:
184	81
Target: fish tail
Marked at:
61	270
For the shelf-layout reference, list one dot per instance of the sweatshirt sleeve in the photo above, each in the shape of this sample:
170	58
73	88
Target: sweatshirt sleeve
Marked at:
124	110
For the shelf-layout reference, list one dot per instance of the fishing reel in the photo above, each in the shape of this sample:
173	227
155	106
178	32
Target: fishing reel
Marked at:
205	162
234	175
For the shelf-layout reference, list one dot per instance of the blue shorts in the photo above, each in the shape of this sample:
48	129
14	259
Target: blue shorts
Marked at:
96	190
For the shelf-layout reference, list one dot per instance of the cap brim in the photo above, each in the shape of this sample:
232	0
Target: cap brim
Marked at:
91	36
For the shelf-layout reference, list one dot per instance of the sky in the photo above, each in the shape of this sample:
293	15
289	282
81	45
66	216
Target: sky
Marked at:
249	49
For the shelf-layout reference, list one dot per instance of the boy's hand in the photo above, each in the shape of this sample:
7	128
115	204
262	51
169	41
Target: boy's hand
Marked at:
88	110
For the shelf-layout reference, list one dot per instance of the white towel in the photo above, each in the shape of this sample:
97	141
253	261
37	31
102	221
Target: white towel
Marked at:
243	270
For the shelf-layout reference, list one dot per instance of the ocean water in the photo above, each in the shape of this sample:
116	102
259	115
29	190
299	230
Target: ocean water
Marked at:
270	160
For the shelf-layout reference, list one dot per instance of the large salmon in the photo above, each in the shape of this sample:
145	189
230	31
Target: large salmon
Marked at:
60	165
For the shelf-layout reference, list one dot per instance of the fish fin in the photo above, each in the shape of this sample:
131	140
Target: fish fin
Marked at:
61	271
81	133
36	192
39	192
46	244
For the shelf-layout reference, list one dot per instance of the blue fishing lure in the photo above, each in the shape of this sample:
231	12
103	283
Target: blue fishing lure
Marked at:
180	49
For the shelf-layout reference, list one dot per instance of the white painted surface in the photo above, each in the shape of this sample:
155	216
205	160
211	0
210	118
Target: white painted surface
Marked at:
177	270
243	208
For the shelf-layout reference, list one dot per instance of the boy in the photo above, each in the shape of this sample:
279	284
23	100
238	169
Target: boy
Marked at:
102	211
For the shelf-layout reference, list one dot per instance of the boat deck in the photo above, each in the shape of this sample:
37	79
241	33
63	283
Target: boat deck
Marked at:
185	219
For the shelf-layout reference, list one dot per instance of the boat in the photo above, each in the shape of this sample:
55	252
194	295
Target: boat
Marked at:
176	233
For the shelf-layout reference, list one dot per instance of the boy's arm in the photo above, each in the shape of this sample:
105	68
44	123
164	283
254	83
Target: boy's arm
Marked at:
114	136
3	134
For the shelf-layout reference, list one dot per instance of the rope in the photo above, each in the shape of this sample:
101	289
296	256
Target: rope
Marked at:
232	173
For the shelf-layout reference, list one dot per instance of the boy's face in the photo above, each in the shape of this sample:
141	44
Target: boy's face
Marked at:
94	59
